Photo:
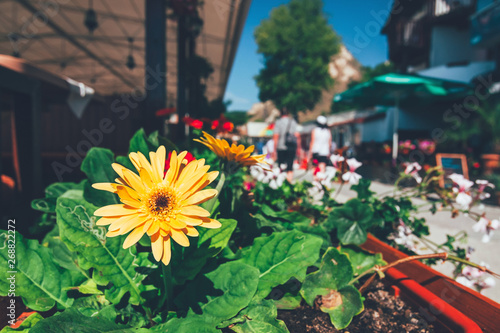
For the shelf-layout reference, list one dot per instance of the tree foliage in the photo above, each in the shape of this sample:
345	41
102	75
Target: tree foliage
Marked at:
297	44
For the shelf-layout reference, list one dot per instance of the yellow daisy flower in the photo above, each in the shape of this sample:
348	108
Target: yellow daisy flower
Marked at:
162	205
231	153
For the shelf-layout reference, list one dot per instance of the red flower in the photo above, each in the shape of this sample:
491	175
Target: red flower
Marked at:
215	124
198	124
228	126
222	124
189	157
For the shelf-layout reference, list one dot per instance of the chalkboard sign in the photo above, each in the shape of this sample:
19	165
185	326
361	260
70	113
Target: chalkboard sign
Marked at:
451	163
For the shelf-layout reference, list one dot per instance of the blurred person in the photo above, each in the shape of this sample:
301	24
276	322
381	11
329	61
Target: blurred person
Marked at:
269	149
321	143
286	141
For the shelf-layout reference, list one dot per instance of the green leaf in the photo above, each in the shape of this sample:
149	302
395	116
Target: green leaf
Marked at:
188	261
64	257
140	142
222	293
158	140
280	257
340	300
52	192
258	317
89	287
38	280
316	229
263	222
90	305
202	324
73	321
125	161
351	305
363	189
361	260
293	217
288	302
351	221
97	167
26	325
111	263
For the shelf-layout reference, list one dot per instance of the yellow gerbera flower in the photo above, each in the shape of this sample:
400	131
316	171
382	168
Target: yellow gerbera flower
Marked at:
231	153
162	205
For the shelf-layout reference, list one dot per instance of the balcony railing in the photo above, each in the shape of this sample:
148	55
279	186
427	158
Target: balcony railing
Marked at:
443	7
410	33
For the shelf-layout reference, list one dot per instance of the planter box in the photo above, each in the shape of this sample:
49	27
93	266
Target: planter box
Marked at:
438	297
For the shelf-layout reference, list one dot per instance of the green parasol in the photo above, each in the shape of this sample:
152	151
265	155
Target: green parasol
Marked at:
393	89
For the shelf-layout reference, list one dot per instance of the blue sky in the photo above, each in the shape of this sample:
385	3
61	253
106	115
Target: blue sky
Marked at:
358	22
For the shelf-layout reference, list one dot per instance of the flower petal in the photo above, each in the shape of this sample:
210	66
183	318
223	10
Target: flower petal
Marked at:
192	221
200	197
115	210
179	237
213	224
167	252
195	211
133	238
157	246
110	187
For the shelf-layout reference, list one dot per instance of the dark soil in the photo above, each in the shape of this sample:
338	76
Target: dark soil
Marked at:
383	313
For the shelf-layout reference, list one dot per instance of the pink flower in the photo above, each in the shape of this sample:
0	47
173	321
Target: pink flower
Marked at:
336	159
412	169
351	176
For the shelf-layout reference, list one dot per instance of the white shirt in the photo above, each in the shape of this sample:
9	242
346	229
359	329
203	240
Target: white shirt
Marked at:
322	138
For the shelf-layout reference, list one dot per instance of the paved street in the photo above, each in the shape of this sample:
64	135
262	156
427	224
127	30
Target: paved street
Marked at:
442	224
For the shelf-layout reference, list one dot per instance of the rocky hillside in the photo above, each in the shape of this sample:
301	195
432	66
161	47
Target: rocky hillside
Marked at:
343	68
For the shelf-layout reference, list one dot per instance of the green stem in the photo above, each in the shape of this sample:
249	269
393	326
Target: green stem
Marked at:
167	287
220	184
377	268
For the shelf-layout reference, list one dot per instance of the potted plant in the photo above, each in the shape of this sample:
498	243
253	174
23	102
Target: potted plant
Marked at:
157	242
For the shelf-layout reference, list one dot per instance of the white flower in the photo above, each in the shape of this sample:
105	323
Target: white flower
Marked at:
463	197
412	169
326	178
486	283
350	175
465	281
484	184
275	178
404	236
472	272
486	226
316	193
474	277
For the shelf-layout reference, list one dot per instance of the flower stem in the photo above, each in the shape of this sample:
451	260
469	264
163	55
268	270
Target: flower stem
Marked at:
381	269
211	203
167	287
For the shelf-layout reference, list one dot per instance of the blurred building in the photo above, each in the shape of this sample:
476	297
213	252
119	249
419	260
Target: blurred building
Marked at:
447	39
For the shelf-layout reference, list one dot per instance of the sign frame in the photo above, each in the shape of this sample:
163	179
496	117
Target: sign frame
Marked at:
461	157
